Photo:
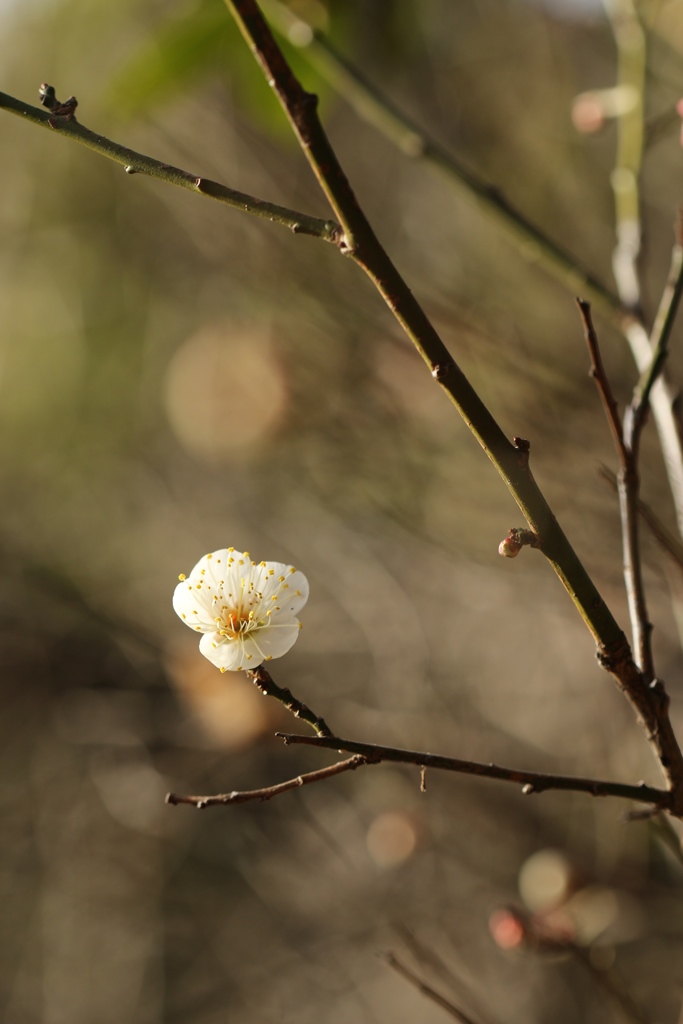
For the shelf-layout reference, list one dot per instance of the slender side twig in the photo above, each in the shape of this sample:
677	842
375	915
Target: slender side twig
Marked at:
510	459
534	245
612	986
531	782
629	477
268	792
379	111
661	331
414	979
599	375
264	681
671	545
138	163
628	484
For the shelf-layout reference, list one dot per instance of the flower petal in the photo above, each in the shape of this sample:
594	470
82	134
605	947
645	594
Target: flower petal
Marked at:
193	605
227	655
276	639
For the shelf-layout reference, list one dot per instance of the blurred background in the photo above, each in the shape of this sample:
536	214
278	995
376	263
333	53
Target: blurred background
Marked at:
176	377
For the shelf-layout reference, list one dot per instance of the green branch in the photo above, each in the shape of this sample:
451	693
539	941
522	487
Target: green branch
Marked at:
138	163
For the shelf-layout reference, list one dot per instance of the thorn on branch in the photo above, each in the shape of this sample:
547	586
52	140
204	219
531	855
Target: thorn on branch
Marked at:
516	539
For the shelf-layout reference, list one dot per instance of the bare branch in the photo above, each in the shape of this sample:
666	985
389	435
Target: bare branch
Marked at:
269	688
599	375
511	461
378	110
268	792
531	782
138	163
662	535
426	990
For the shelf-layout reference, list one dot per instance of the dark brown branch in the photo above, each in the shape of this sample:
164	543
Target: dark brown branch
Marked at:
531	782
426	989
269	688
268	792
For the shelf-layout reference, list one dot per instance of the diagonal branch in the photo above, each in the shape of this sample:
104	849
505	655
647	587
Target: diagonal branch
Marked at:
533	244
269	688
374	107
510	459
268	792
138	163
531	782
427	990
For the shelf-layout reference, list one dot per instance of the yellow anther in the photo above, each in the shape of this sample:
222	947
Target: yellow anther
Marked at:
203	572
222	670
182	577
271	572
231	550
184	616
247	555
198	628
249	657
209	556
269	657
291	570
281	579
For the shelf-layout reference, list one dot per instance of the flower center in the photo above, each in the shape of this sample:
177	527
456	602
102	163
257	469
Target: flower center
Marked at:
233	622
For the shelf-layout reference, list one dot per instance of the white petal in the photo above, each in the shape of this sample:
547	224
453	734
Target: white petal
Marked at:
227	655
194	606
276	639
283	586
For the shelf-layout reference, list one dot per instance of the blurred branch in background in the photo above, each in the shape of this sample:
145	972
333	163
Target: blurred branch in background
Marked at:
535	245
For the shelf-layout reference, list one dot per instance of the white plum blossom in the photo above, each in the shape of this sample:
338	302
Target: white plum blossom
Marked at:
245	609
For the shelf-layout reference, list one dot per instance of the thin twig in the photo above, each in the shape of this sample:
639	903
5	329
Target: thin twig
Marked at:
138	163
612	986
378	110
629	476
628	484
269	688
426	990
664	537
531	782
599	375
511	460
268	792
664	321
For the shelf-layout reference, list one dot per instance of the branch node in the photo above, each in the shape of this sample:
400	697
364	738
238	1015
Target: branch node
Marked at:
129	169
516	539
440	371
523	447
